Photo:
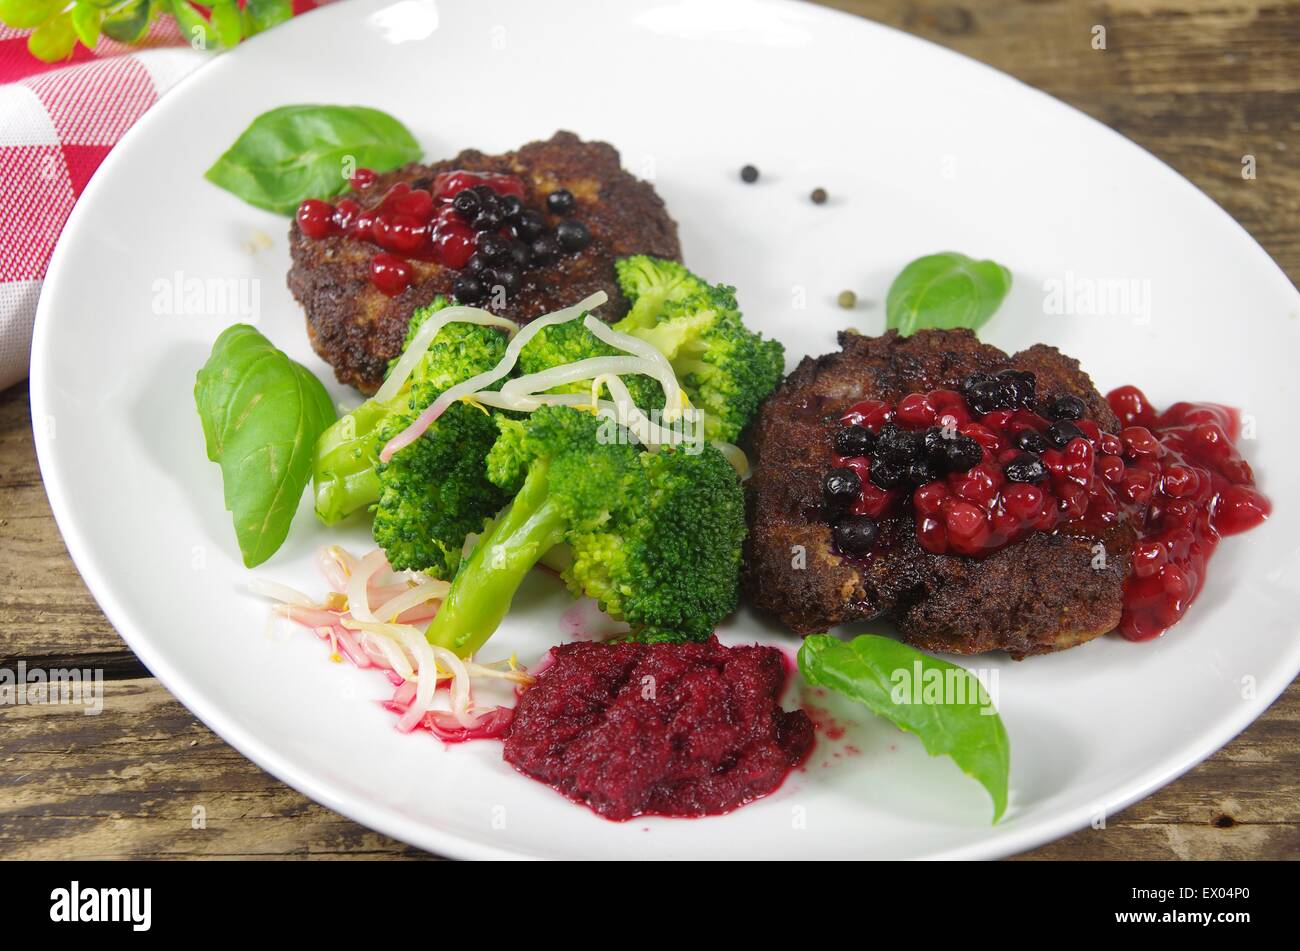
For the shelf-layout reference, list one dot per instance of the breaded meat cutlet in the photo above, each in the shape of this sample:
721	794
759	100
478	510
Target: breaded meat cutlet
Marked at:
1044	593
357	329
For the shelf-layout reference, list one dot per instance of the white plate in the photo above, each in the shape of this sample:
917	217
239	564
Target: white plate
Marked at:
921	150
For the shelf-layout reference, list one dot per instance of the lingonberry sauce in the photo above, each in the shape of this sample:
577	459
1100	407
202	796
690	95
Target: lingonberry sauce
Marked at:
659	729
407	224
1177	476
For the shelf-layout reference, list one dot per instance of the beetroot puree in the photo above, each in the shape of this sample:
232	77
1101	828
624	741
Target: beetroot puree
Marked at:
659	729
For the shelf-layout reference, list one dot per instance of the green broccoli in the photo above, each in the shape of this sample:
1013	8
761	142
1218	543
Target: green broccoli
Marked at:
344	473
726	369
656	537
569	342
433	493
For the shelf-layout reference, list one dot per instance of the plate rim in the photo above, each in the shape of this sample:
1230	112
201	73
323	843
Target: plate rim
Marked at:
390	821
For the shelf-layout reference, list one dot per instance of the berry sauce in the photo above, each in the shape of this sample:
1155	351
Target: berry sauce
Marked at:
634	729
985	467
463	220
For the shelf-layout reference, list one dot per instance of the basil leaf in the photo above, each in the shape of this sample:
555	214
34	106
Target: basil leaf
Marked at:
298	152
943	291
889	678
262	414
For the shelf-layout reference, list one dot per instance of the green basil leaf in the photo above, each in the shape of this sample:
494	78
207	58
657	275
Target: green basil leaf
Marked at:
298	152
943	291
262	414
261	15
889	678
129	23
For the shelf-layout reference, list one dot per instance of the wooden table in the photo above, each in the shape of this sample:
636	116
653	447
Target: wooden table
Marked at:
1198	82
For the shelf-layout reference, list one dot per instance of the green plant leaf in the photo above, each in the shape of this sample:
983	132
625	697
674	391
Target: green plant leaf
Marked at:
889	679
261	15
86	18
194	26
226	23
53	40
298	152
943	291
128	24
27	14
262	414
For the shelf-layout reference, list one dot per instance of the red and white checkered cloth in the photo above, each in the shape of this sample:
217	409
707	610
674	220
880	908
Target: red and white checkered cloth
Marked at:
57	122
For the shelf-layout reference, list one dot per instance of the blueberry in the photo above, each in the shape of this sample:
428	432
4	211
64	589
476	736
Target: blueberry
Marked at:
493	247
486	193
476	263
974	380
962	453
1026	467
854	441
840	489
933	442
572	235
887	474
1018	385
855	534
466	204
1030	441
749	174
468	289
529	225
521	256
507	277
511	206
488	219
560	202
545	250
1061	432
987	396
921	471
896	445
1064	408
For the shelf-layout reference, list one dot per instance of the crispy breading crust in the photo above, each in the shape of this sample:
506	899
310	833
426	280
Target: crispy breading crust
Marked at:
358	330
1043	594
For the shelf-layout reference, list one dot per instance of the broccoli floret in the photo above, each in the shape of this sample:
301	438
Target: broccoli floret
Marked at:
569	342
655	536
432	487
726	369
435	492
667	563
649	283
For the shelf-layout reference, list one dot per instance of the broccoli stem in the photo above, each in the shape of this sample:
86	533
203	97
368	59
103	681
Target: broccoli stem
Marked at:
344	468
486	583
